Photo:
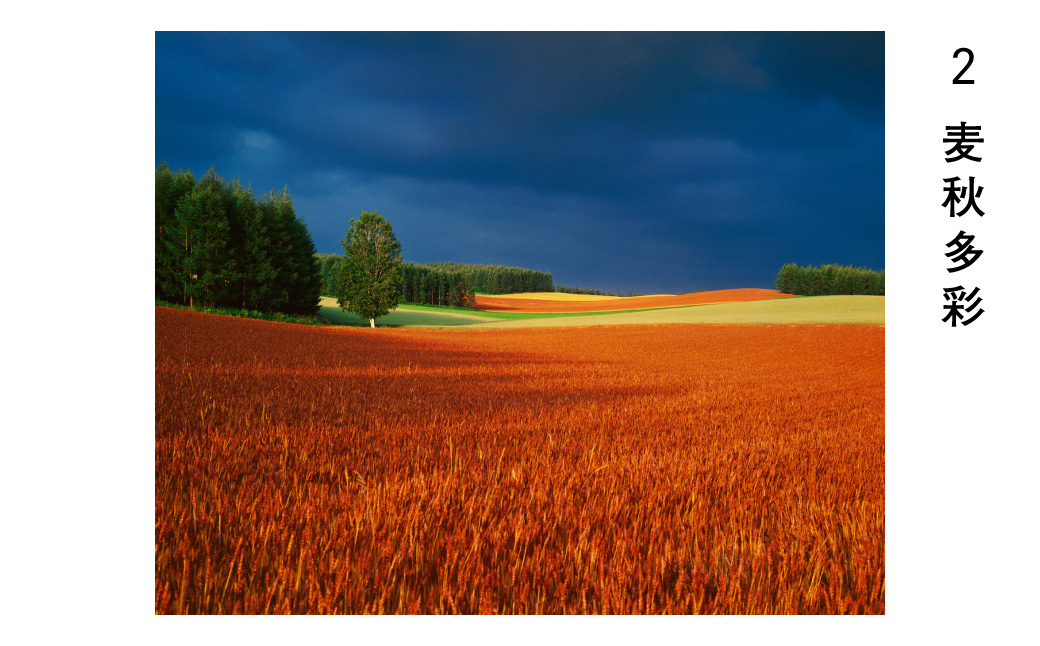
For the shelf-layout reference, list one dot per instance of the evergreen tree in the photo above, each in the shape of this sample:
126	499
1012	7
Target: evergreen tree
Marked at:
169	189
423	287
226	257
165	204
304	294
829	280
298	283
259	275
215	243
200	223
328	263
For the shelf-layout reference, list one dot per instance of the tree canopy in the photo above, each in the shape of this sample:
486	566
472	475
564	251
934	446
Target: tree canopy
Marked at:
369	277
216	244
830	280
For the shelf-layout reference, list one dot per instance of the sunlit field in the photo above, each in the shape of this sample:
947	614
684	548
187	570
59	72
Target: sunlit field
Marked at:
778	311
608	469
785	311
556	302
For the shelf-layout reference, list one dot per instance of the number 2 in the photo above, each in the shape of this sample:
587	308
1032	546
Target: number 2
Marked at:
957	80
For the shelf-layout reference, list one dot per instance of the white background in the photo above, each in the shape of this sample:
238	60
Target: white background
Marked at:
78	456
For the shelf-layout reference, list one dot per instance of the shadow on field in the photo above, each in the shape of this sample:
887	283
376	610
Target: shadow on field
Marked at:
212	370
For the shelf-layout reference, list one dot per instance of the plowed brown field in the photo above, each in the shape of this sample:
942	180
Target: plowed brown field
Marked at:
544	303
657	469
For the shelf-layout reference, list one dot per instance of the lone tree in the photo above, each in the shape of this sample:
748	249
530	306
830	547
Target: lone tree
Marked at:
368	281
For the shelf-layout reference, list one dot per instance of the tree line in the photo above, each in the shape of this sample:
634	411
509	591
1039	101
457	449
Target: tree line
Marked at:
218	245
499	279
431	285
563	289
327	268
447	284
828	280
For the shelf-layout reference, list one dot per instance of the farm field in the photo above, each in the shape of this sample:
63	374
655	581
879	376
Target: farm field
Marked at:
603	469
549	309
800	310
556	302
404	316
787	311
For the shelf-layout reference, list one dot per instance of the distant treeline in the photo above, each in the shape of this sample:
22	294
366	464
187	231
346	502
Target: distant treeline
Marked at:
420	284
829	280
450	284
498	279
433	285
327	272
218	245
593	292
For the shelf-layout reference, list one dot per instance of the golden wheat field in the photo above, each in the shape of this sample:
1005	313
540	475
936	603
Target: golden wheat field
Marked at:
608	469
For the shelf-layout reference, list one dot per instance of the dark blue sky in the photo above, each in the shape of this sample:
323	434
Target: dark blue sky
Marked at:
653	162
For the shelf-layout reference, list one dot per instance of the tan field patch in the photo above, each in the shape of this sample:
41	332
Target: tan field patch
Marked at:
517	304
816	310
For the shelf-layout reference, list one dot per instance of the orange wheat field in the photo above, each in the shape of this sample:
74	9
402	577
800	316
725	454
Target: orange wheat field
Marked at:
628	469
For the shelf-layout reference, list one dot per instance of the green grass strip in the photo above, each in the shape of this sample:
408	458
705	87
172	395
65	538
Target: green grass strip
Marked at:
402	317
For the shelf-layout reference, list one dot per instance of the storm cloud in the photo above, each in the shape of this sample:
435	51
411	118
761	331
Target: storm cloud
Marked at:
653	162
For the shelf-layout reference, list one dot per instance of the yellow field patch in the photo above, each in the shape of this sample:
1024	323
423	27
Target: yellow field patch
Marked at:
797	311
